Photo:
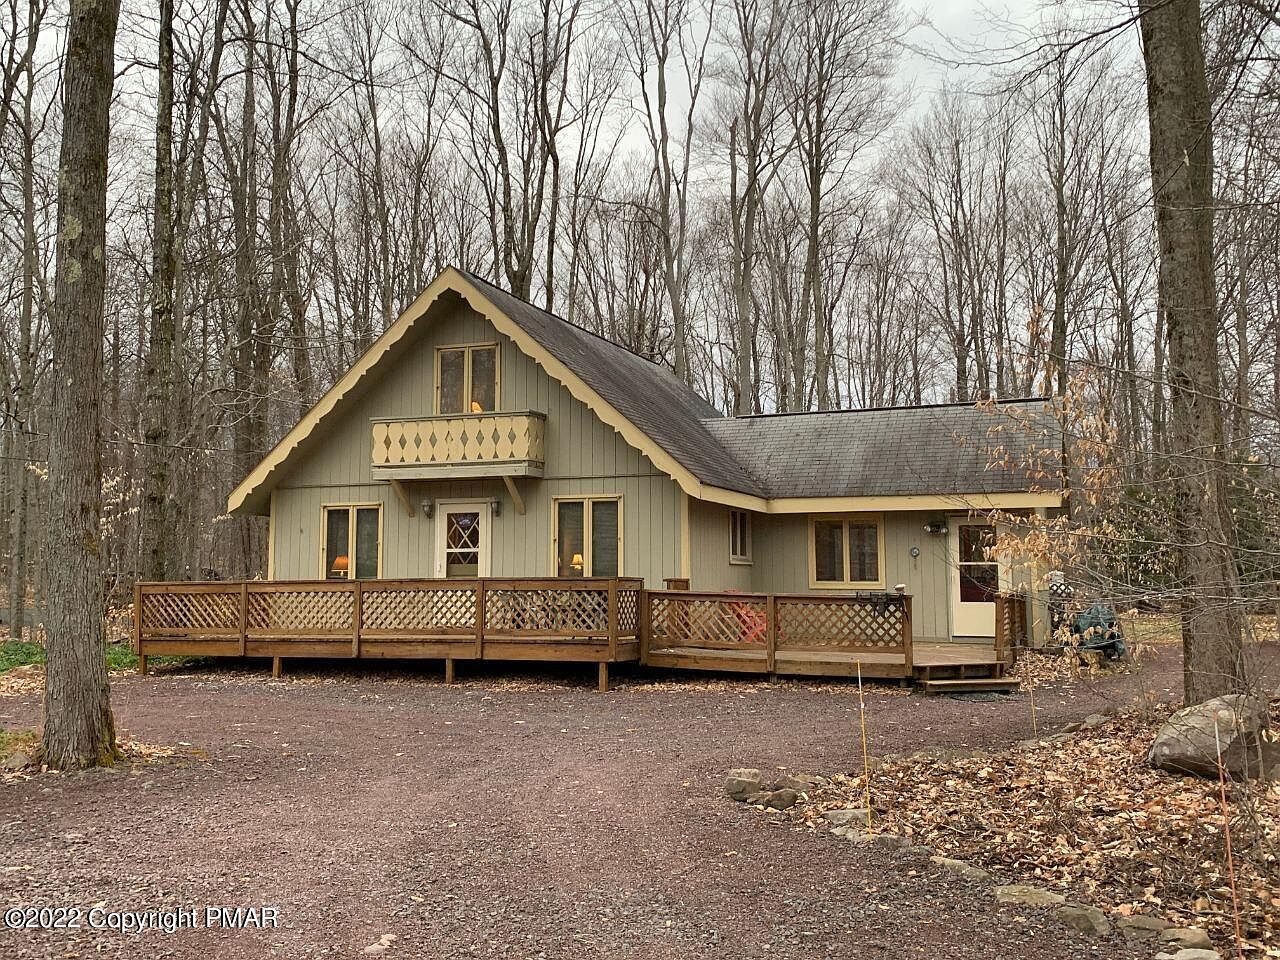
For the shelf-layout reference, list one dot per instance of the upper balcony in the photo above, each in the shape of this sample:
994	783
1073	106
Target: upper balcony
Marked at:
460	445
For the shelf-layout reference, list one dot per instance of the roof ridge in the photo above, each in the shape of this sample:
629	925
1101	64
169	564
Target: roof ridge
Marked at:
951	405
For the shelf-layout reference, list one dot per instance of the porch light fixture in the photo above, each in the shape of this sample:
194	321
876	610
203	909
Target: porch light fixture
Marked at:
495	507
428	507
936	527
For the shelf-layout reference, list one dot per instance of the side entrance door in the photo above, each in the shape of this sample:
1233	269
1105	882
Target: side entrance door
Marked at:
975	580
462	538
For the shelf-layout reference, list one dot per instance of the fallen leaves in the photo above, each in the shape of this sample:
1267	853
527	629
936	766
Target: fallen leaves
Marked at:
1086	815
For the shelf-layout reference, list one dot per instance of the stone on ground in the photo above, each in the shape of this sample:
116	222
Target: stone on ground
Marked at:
1141	927
1190	954
16	761
782	799
801	782
1188	741
966	870
1190	938
846	815
743	783
1028	896
1086	919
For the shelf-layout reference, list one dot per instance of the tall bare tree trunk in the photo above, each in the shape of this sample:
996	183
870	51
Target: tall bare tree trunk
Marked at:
79	730
158	372
1182	177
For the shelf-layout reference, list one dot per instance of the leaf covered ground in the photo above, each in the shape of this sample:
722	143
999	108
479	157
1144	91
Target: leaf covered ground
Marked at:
1083	814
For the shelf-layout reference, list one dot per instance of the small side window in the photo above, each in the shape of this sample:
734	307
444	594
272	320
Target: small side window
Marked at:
739	536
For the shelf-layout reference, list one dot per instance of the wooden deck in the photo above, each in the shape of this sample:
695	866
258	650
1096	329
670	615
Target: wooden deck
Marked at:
598	621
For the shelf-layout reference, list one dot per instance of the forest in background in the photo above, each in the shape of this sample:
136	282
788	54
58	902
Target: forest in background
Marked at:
748	191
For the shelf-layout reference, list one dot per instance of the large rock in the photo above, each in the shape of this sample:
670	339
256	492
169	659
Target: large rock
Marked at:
1188	741
1086	919
1190	954
801	782
743	783
16	761
1024	896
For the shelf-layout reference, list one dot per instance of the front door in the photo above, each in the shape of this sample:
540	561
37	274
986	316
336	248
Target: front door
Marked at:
462	539
975	581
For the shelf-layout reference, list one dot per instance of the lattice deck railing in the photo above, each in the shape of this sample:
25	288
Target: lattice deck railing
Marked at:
601	610
1012	625
766	624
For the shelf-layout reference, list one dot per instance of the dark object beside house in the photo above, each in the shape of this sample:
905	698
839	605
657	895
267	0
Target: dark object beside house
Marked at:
1097	628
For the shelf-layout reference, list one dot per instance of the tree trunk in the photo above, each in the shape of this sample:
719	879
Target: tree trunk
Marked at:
79	730
1182	174
158	373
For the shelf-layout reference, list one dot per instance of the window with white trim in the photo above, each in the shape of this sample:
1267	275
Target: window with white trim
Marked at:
846	551
739	536
352	548
467	378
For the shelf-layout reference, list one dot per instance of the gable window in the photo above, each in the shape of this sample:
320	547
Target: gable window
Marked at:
739	536
588	537
467	379
352	542
846	551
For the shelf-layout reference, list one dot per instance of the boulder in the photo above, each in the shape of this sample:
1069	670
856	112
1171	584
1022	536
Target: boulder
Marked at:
742	783
1141	927
1086	919
1024	896
801	782
1190	954
1187	744
1094	720
16	761
966	870
1189	938
846	815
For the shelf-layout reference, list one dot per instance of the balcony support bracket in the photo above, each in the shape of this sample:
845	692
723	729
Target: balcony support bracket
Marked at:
515	494
403	495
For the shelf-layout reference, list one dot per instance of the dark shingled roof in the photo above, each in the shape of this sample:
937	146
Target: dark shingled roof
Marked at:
646	393
899	451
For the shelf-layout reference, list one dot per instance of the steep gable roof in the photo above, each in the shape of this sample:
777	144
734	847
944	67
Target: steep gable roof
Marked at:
768	463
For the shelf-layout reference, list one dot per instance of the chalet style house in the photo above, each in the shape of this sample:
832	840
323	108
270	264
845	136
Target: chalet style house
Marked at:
490	480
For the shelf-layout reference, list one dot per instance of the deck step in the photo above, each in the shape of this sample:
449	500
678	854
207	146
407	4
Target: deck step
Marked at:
971	685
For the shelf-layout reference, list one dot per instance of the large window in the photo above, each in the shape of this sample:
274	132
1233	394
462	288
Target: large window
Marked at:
739	536
467	379
588	537
352	542
846	551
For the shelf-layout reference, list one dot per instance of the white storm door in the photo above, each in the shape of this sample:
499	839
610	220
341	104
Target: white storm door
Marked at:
975	579
462	539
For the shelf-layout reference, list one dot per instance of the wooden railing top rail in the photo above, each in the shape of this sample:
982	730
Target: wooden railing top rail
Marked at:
874	598
461	416
531	583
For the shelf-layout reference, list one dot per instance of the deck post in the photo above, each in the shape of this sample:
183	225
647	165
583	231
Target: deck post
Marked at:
142	664
771	632
448	670
642	616
907	656
480	618
277	667
137	616
612	617
357	605
244	616
602	680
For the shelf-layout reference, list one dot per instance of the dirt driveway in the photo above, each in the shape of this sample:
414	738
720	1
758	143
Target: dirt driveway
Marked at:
504	818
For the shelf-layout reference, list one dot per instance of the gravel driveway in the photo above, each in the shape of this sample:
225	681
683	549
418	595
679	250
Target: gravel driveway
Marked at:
505	818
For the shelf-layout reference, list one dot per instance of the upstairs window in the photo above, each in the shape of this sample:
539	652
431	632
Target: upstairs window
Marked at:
846	551
467	379
739	536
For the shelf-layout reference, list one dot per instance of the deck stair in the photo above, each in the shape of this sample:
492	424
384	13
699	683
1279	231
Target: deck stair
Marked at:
989	677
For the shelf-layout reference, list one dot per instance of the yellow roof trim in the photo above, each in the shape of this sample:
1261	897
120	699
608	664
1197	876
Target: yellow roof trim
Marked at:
959	501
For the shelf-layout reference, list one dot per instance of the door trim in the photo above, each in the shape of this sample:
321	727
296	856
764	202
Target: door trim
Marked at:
485	509
953	579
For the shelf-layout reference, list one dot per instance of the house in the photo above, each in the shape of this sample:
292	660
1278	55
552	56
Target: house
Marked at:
481	437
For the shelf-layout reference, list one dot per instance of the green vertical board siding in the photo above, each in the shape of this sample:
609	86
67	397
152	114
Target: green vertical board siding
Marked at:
583	457
709	567
781	554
